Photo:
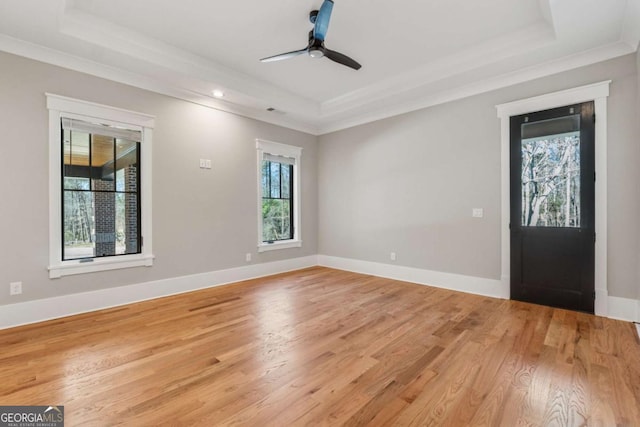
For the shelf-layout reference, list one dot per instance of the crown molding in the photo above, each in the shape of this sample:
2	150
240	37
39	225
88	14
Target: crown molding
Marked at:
99	32
417	99
64	60
477	56
170	71
410	100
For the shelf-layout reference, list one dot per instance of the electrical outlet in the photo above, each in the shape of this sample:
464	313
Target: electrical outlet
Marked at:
248	257
15	288
477	212
392	256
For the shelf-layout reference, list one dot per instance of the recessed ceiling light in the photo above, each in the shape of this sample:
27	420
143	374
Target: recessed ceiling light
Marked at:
218	93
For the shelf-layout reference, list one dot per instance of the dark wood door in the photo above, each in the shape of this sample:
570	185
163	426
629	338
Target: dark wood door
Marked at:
552	207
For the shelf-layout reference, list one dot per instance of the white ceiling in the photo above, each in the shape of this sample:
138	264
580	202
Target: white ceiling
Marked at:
414	53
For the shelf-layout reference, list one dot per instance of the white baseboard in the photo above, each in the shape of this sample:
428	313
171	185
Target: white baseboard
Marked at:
457	282
624	309
66	305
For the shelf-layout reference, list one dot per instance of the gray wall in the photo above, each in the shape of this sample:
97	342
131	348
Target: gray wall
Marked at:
405	184
202	220
408	184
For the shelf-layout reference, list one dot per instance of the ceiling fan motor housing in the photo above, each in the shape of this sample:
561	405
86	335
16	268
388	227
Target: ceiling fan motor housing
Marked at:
316	52
312	16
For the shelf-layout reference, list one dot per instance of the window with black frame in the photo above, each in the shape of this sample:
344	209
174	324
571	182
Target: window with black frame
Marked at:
100	190
277	198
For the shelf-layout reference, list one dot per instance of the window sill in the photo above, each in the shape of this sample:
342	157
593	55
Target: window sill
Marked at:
283	244
68	268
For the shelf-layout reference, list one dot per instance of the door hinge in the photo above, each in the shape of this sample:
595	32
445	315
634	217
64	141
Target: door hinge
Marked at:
594	295
594	237
594	117
594	176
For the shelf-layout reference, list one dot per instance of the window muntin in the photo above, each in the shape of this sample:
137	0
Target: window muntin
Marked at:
101	178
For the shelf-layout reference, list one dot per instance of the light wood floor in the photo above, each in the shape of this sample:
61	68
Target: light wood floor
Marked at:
327	347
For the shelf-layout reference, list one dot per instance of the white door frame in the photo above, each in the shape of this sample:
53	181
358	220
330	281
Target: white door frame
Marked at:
597	92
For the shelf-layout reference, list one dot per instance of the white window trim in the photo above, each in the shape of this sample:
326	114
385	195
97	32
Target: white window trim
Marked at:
61	106
598	93
290	151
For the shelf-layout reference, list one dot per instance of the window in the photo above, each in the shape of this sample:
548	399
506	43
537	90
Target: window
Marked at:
100	197
278	196
100	187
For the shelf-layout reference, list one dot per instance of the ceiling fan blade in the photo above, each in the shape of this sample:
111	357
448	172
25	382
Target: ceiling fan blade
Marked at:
322	20
341	59
285	55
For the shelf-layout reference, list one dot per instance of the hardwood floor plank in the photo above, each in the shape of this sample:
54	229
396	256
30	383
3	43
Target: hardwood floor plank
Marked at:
326	347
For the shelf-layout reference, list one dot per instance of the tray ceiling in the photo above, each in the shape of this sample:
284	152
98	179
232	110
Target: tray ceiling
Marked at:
414	53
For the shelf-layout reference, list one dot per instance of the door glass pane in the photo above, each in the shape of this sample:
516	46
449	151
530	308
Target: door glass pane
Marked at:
551	173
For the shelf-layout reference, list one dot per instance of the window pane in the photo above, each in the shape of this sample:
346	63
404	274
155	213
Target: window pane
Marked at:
120	224
126	157
78	225
131	230
66	146
551	180
120	180
71	183
126	224
265	179
76	148
275	180
102	163
105	223
275	220
286	177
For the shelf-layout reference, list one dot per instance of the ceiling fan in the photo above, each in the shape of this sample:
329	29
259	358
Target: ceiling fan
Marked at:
315	48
